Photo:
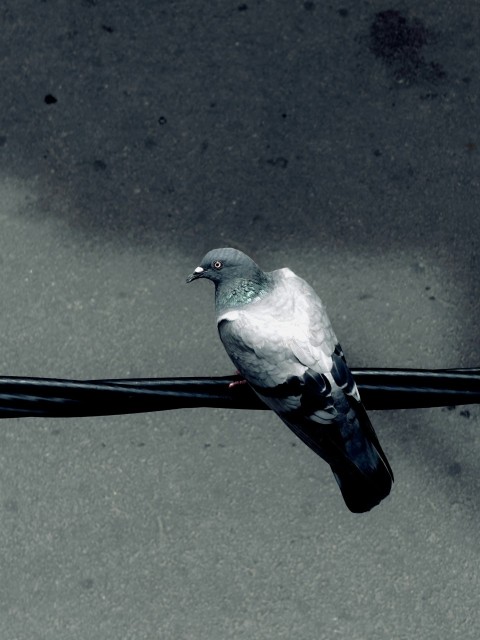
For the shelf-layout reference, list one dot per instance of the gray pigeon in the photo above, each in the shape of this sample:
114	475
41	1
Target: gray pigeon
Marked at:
276	331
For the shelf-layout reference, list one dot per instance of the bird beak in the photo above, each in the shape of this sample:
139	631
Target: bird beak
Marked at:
196	274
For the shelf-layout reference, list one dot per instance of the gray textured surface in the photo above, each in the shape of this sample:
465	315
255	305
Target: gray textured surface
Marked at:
326	138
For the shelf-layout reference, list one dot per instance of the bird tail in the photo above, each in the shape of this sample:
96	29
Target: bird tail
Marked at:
365	477
363	492
351	447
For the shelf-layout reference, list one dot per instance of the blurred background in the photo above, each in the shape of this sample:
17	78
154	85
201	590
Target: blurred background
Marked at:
339	139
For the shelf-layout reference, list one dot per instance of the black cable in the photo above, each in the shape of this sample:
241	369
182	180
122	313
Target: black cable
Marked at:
379	388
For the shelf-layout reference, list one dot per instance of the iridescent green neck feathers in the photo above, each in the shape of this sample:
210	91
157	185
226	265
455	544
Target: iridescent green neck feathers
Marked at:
239	292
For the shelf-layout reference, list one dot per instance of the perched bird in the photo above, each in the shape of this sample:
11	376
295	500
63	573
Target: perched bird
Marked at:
276	331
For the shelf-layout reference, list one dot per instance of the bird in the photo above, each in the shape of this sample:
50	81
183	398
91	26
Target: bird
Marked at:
276	331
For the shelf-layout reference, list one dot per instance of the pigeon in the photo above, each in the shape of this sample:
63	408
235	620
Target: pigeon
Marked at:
276	331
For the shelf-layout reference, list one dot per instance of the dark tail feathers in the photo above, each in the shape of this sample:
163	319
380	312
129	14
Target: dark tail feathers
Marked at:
351	447
363	492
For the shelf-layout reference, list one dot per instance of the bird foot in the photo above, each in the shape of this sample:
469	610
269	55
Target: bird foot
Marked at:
235	383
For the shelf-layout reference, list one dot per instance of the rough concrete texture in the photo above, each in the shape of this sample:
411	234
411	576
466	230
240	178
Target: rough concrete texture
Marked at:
341	140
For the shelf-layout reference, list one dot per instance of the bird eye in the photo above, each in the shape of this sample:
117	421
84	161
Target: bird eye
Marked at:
217	264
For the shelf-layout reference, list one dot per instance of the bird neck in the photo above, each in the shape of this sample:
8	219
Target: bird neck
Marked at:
241	291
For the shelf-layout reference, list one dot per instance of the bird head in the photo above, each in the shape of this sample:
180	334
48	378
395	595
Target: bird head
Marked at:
221	265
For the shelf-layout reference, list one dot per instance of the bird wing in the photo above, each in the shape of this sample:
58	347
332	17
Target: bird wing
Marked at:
285	342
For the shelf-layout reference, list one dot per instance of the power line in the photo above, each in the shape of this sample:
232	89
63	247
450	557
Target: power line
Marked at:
379	388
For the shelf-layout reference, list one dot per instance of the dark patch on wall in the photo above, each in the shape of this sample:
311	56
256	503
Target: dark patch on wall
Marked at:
87	583
400	43
454	469
278	162
150	143
99	165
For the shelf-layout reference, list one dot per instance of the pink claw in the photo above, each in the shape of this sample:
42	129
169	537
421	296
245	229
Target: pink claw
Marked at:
236	382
